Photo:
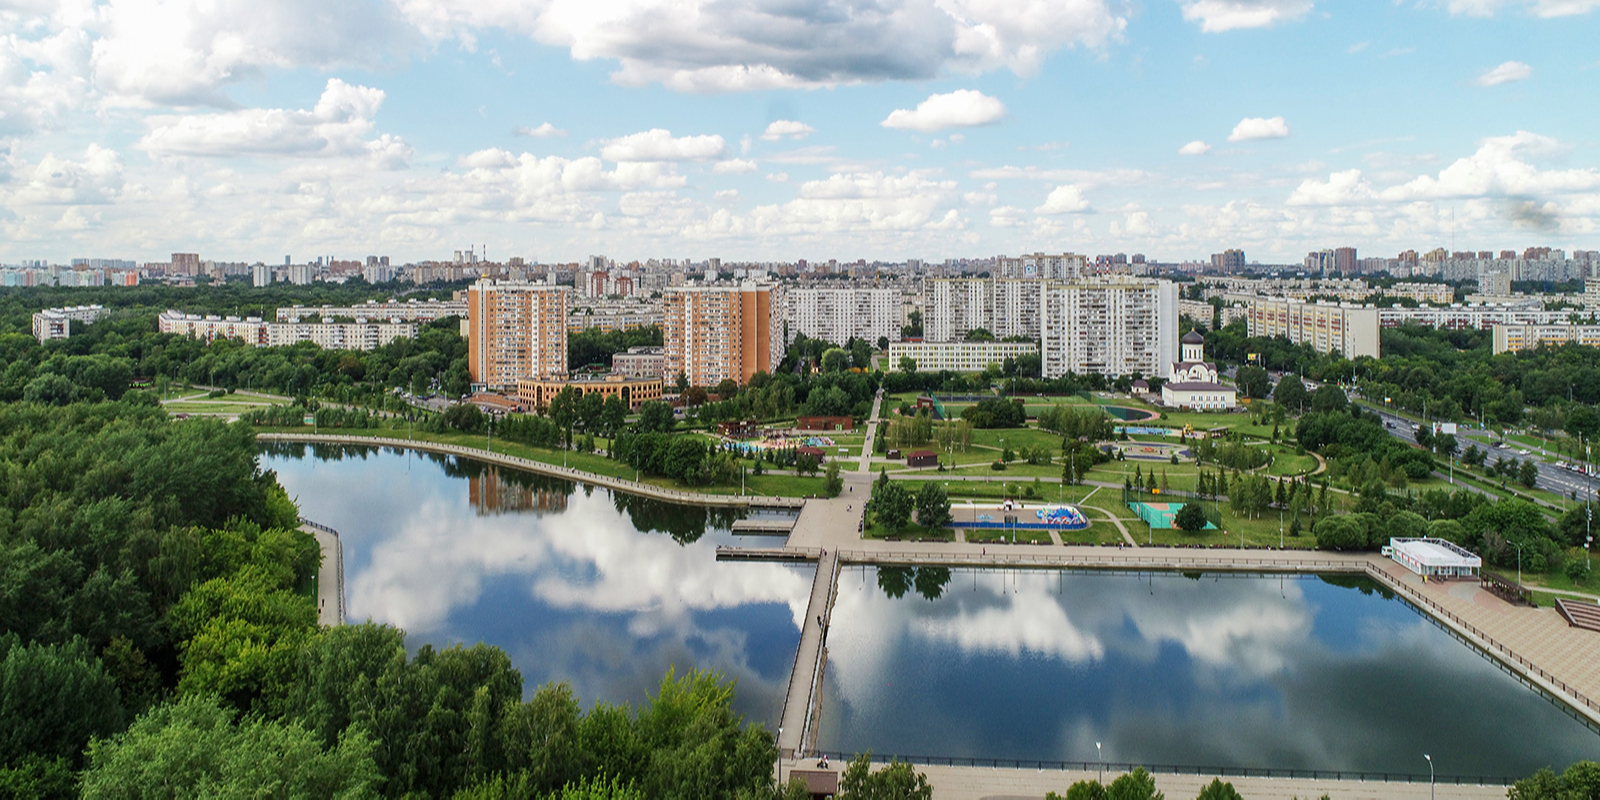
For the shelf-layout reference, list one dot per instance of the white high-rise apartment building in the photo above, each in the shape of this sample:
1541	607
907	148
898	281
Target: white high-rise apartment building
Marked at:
838	315
261	275
1108	326
1002	306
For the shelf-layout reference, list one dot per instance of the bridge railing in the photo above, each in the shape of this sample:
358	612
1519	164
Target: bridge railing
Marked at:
1114	768
338	561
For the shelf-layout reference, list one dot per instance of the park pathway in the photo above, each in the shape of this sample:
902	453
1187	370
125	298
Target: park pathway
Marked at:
330	575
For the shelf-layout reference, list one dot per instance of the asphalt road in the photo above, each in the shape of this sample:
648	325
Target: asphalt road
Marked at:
1551	477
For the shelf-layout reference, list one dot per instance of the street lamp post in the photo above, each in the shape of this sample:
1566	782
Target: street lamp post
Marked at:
778	740
1430	775
1519	562
1099	756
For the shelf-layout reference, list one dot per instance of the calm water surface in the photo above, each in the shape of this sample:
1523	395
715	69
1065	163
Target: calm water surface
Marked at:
605	592
1292	672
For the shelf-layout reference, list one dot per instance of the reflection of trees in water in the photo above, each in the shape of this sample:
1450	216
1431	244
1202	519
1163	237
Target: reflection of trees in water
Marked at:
326	452
928	581
685	524
1360	583
931	581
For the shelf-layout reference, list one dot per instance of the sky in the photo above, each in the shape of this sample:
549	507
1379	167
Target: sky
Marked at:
774	130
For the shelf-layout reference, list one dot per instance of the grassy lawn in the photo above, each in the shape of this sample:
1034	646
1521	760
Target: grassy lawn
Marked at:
912	532
210	407
1261	532
1285	462
1015	535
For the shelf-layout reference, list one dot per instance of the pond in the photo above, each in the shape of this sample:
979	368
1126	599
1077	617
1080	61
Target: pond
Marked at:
604	591
1291	672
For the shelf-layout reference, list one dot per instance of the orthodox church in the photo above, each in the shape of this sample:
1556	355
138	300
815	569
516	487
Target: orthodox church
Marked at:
1194	383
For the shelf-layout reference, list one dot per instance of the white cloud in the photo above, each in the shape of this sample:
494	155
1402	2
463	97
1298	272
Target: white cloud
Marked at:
712	46
97	178
1216	16
787	128
1194	148
778	177
961	108
658	144
1065	199
1537	8
544	131
734	166
1499	168
1252	128
1505	73
182	52
1341	188
336	126
1087	178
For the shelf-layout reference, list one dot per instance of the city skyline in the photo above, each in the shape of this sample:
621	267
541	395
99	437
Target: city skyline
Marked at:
908	130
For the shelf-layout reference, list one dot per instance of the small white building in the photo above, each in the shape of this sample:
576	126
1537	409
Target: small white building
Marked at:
1194	382
1435	558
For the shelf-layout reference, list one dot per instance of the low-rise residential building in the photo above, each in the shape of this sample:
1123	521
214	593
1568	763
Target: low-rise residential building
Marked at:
418	310
356	334
640	362
56	323
1516	338
957	356
536	393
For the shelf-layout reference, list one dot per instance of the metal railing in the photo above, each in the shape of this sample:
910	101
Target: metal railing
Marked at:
1111	558
338	562
1117	767
1487	642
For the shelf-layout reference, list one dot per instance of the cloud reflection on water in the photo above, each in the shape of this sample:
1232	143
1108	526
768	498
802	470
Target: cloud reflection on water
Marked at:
1220	671
580	595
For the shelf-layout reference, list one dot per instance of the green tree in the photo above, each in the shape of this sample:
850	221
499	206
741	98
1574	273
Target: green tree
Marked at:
53	698
894	781
1528	474
1252	381
933	506
656	417
1190	519
908	364
1582	422
1136	785
892	505
835	359
1082	790
1291	393
832	484
464	417
860	354
613	415
192	747
1217	790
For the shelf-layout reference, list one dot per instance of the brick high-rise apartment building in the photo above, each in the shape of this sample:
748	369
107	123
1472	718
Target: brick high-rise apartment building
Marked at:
717	332
516	330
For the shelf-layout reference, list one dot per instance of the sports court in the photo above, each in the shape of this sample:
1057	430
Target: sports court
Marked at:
1159	515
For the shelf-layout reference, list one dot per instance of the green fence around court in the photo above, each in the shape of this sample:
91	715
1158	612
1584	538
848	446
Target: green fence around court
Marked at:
1158	508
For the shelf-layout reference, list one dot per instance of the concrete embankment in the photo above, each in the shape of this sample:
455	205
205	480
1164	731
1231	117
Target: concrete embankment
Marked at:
554	470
